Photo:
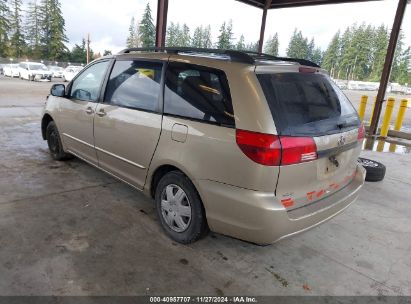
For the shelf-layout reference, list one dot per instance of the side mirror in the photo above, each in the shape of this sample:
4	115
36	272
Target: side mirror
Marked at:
58	90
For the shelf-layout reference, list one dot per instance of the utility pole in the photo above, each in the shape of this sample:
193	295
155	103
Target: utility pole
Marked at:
88	48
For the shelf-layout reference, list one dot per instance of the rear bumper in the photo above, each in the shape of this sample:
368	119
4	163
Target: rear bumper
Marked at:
260	218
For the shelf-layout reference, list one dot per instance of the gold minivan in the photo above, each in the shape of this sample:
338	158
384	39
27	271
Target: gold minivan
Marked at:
244	144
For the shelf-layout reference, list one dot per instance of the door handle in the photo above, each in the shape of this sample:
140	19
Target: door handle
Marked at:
101	113
89	110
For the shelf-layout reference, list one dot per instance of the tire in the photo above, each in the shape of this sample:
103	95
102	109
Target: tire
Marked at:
173	215
54	143
375	171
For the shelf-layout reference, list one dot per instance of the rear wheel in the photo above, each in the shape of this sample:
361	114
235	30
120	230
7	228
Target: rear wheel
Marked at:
54	143
375	171
179	208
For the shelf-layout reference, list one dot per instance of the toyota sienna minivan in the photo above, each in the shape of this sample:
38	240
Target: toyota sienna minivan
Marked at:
248	145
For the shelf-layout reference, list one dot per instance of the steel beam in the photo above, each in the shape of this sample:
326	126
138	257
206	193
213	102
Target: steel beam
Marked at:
297	3
385	76
263	20
161	26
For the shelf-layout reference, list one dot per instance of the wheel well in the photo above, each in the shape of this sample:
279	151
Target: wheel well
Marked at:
44	123
158	174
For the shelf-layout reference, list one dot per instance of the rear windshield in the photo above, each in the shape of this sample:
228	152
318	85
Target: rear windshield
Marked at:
304	104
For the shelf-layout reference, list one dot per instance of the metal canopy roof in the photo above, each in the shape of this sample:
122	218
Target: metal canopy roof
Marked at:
295	3
265	5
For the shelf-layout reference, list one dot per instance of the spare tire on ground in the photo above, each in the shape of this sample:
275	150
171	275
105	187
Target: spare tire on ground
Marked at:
375	171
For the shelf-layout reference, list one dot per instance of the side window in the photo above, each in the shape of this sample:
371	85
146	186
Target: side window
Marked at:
199	93
87	85
134	84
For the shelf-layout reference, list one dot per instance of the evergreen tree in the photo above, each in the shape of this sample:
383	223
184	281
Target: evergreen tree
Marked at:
226	36
184	38
346	53
147	29
298	46
33	30
132	38
332	55
17	41
317	56
207	42
53	36
396	65
271	46
380	45
4	28
252	46
310	50
404	67
107	52
172	33
197	40
360	51
241	44
222	38
230	34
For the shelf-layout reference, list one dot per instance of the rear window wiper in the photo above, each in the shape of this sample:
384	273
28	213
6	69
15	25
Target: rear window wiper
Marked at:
346	124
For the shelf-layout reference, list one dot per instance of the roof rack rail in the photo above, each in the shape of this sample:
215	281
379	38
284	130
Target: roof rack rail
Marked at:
263	56
237	56
249	57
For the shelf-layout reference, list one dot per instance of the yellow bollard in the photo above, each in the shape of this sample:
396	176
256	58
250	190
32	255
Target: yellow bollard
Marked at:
392	148
363	104
373	107
380	146
387	117
401	114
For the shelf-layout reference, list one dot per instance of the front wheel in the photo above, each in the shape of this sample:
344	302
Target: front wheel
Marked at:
179	208
54	143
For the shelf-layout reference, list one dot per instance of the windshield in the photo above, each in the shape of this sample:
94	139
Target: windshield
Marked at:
55	68
37	67
305	104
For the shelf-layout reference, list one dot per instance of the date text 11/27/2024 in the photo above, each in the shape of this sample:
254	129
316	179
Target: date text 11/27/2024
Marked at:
205	299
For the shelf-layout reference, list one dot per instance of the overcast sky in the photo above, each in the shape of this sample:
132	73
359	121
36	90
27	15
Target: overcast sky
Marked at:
108	21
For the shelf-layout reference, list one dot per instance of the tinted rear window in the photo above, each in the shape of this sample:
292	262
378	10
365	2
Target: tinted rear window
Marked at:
198	93
307	104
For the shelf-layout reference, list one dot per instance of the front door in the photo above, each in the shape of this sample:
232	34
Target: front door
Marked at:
127	124
78	109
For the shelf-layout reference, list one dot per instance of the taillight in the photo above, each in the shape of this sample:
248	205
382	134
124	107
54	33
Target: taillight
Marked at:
264	149
361	132
271	150
307	70
297	150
